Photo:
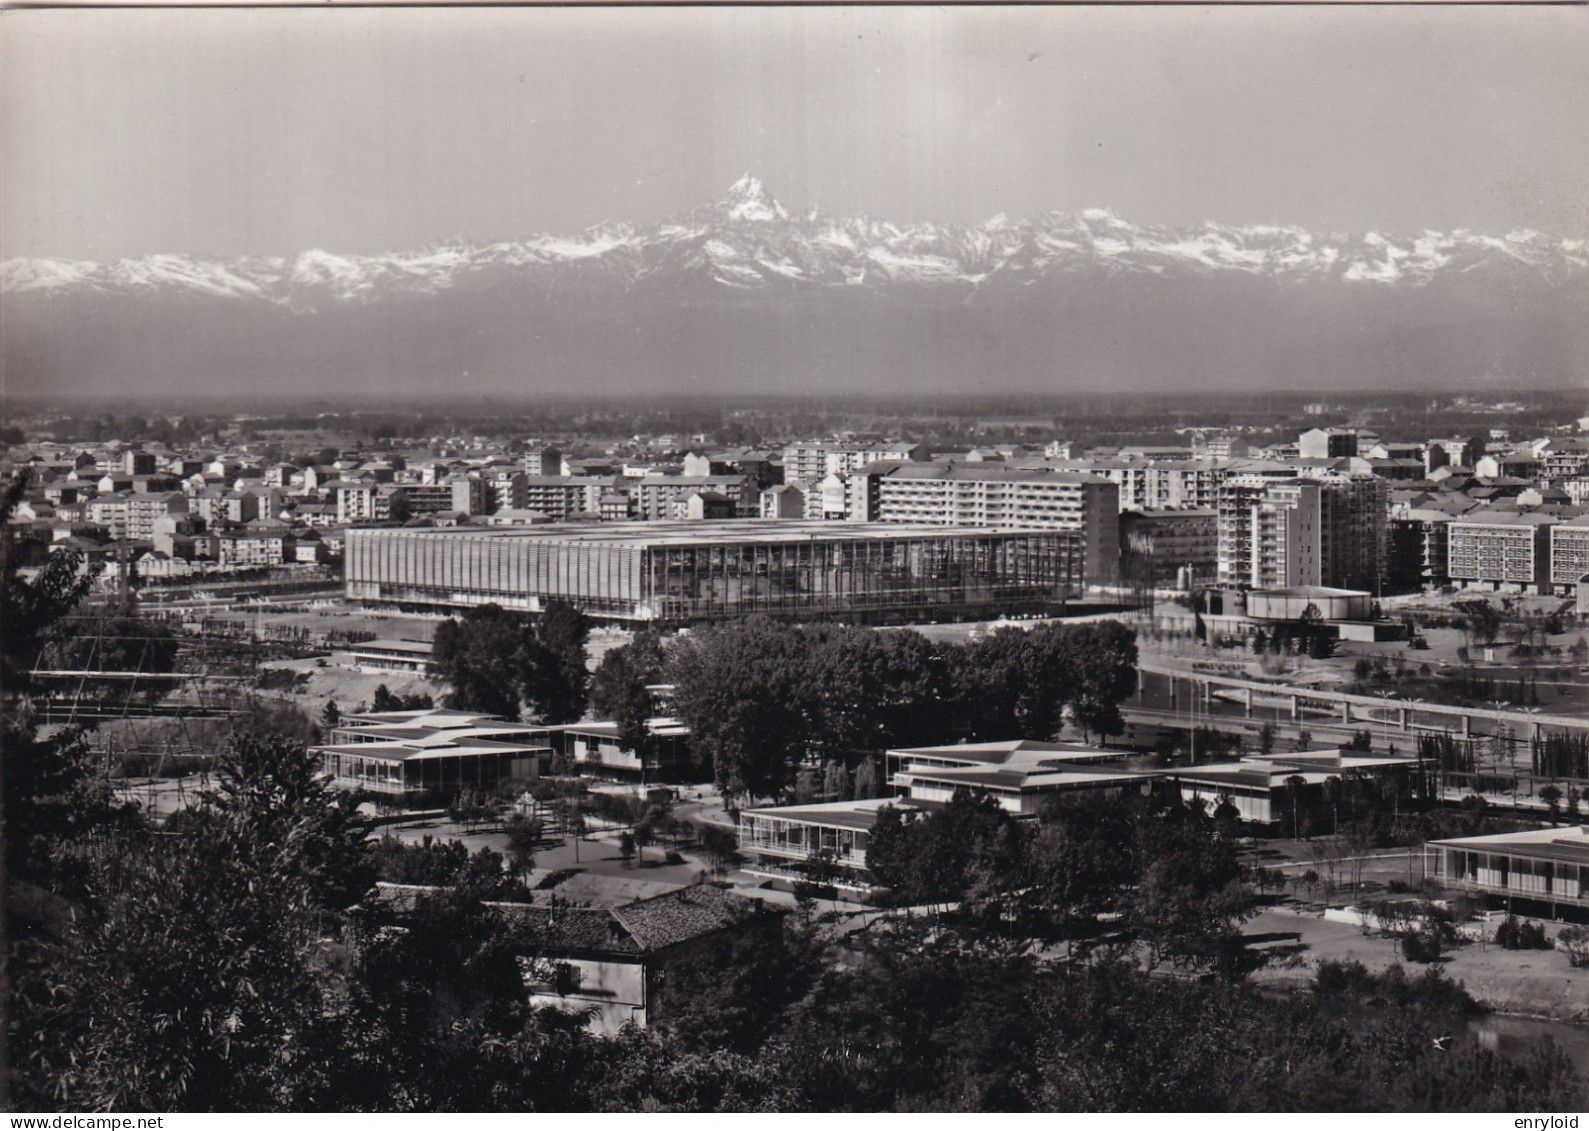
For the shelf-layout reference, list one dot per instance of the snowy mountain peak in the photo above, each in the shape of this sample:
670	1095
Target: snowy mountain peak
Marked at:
748	241
748	199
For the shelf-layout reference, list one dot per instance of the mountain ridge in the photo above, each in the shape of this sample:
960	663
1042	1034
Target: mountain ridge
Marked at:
744	295
748	239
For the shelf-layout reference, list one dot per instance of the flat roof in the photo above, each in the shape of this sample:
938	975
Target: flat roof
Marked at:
642	535
1247	773
1569	845
1021	779
991	470
1309	591
416	647
410	752
857	815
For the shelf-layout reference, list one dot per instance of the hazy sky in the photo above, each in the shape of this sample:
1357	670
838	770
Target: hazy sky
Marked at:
358	130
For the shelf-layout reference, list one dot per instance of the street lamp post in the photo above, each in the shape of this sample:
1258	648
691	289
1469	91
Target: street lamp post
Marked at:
1533	729
1386	697
1498	704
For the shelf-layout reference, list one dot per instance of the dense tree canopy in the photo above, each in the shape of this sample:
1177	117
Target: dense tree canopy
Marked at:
761	696
745	693
504	663
618	689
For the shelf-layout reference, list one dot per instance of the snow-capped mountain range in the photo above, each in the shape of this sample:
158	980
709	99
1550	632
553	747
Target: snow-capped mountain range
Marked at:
743	295
750	241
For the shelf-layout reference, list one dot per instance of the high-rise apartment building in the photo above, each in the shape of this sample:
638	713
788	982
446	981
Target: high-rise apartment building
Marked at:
1501	550
1276	533
988	495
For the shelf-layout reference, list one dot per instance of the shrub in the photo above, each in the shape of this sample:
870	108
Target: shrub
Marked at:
1575	941
1516	934
1421	946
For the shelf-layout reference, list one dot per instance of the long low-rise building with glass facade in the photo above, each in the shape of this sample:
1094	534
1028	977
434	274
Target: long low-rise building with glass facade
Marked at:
687	572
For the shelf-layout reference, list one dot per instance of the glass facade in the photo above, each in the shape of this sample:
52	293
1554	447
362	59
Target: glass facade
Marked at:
690	572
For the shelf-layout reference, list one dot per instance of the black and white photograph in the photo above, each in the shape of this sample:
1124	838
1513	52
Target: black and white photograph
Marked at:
794	559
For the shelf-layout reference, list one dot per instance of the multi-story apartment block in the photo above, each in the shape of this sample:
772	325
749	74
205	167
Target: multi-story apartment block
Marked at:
786	501
758	466
111	512
508	489
542	460
426	498
558	496
1417	549
990	495
812	462
1564	460
1219	445
143	511
136	462
1505	549
1160	484
364	501
1508	465
468	495
1327	443
1569	553
260	542
1327	530
1459	451
655	494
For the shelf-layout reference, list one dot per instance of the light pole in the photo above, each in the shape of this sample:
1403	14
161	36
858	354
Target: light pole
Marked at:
1497	704
1533	729
1385	698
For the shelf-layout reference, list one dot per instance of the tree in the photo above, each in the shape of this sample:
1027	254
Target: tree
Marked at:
1011	684
330	716
383	700
438	1022
872	691
835	781
644	833
940	857
866	778
554	672
524	836
31	609
1102	663
1551	795
469	807
1081	865
1575	941
190	979
1189	903
50	789
744	691
619	690
483	657
1482	620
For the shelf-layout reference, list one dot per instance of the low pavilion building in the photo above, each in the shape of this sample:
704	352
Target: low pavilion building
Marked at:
1546	871
428	757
